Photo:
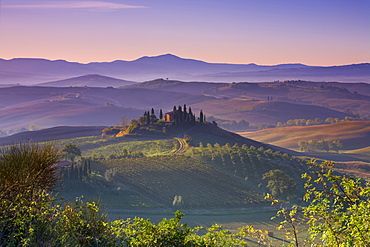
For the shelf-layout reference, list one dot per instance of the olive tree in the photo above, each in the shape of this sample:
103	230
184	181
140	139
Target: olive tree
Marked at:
280	184
71	151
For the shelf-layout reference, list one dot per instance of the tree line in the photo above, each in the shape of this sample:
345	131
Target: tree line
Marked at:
320	146
180	118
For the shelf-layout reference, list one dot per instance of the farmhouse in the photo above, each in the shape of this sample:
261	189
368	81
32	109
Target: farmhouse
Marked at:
169	116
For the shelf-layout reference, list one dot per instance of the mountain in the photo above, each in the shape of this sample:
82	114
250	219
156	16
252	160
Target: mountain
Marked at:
31	71
89	81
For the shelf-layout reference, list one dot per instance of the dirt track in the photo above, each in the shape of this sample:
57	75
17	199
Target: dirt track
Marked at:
182	146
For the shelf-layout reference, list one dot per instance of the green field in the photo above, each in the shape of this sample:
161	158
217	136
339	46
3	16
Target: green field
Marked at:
103	146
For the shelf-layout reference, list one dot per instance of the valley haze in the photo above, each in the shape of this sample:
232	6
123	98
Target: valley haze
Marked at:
28	71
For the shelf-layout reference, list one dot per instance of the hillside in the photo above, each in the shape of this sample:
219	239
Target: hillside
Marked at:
179	86
332	95
52	134
256	103
353	134
88	81
201	186
221	170
214	176
211	134
256	111
53	106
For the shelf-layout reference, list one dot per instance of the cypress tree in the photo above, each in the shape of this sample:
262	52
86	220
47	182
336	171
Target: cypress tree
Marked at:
147	118
180	117
186	120
80	174
88	167
176	117
152	111
160	114
73	172
85	168
201	116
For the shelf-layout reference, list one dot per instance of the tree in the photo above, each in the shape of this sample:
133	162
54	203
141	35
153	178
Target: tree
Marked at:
337	211
147	117
71	151
201	119
142	120
303	146
124	121
280	184
33	127
323	145
329	120
134	123
160	114
336	145
339	207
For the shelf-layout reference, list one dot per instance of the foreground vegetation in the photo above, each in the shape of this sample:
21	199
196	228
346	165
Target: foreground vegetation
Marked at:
337	212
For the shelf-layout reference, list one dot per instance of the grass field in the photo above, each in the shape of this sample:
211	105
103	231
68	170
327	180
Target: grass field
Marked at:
104	146
353	134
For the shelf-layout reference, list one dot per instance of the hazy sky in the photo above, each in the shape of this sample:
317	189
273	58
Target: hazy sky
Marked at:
313	32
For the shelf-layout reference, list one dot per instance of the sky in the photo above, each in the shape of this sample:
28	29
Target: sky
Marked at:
265	32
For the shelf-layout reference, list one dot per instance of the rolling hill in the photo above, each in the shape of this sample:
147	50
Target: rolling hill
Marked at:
53	106
332	95
353	134
224	176
88	81
52	134
255	111
253	102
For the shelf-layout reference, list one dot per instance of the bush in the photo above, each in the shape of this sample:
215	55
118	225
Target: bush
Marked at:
27	174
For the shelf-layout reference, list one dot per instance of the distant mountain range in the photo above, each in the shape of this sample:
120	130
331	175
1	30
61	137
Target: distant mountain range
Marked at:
35	71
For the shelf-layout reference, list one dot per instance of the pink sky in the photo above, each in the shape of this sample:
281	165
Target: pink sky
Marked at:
313	32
